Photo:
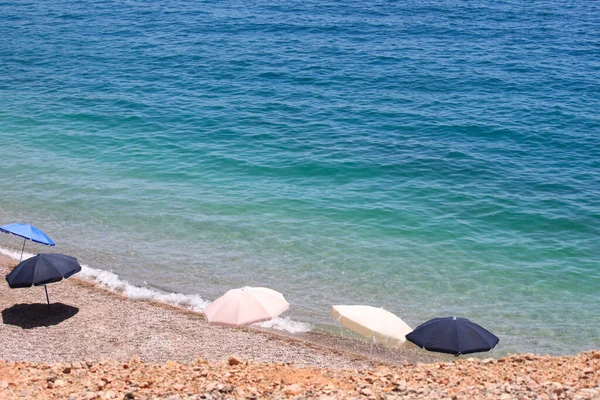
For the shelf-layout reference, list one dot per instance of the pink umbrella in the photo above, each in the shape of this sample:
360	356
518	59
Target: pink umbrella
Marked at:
246	306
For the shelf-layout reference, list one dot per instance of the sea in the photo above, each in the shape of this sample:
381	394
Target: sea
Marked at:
434	158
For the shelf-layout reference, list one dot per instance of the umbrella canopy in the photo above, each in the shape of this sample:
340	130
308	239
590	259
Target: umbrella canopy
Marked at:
27	232
246	306
453	335
373	322
41	270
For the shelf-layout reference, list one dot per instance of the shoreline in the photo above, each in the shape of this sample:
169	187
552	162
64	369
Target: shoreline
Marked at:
98	344
133	327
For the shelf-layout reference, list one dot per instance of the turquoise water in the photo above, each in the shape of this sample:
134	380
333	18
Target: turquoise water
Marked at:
435	158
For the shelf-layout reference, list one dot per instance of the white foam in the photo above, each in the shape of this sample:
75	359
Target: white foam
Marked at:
112	282
16	255
287	324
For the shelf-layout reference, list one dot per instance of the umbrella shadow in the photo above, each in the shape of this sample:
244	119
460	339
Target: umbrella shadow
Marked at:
29	316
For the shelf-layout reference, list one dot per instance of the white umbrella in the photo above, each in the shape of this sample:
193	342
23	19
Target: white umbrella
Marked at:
246	306
375	323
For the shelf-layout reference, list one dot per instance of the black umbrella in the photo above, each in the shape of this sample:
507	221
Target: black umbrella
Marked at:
41	270
452	335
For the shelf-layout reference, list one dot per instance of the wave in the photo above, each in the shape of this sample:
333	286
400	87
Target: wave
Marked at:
193	302
286	324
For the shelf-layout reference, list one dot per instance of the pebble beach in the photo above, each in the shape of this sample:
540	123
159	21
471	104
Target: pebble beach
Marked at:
94	344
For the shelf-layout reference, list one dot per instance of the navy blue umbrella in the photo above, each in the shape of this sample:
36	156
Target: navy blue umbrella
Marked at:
41	270
27	232
452	335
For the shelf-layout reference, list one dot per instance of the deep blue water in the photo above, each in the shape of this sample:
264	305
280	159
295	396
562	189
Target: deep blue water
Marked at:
435	158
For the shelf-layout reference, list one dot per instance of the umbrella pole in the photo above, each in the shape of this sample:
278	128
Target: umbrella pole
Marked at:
22	249
372	343
47	298
251	343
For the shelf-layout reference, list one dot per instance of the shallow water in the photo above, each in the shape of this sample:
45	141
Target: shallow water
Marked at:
433	158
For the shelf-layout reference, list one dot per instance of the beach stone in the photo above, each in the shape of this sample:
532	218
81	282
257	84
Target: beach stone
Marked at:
232	360
224	388
366	392
491	387
329	388
400	386
588	394
557	388
293	389
59	383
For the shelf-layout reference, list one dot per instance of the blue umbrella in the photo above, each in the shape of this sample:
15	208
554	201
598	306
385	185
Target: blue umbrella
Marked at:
41	270
27	232
452	335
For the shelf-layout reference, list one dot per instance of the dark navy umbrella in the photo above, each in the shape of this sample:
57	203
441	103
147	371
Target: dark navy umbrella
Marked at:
27	232
452	335
41	270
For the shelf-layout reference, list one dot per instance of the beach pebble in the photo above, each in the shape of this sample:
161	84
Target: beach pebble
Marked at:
59	383
293	389
588	394
232	360
400	386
